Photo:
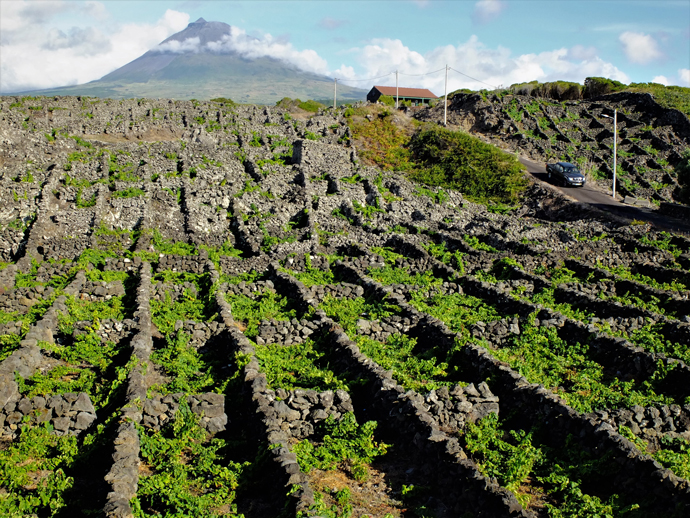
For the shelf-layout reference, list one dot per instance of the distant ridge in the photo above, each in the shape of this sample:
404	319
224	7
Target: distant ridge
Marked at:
184	66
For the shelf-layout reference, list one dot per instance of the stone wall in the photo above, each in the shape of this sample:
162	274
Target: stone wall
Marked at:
436	454
26	359
68	413
123	475
210	407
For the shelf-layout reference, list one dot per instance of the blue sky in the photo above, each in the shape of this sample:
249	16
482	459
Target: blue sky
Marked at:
500	42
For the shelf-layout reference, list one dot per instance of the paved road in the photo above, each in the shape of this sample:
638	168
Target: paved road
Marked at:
604	201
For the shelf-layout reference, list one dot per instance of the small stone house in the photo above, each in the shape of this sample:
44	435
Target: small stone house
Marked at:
417	96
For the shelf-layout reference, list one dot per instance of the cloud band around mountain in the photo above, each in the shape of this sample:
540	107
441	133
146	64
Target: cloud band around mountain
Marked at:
250	47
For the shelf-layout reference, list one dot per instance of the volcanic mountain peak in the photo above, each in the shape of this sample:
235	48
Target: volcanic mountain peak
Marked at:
206	32
213	59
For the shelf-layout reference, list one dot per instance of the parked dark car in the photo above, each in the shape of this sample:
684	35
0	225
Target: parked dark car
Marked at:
565	174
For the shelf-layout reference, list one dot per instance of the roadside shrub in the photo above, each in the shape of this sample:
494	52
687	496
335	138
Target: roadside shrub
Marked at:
456	160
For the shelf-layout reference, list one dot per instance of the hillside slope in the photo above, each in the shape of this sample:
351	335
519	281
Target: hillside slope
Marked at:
651	138
209	309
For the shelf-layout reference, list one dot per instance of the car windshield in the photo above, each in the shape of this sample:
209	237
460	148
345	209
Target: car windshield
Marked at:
571	170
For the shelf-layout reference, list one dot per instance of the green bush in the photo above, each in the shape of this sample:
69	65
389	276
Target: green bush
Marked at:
596	86
671	97
386	144
290	104
560	90
224	100
311	106
456	160
287	103
388	100
461	91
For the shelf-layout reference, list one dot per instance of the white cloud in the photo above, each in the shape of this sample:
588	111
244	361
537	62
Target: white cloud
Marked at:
20	18
582	53
179	47
487	10
238	41
493	67
84	42
684	75
662	80
46	57
639	47
96	10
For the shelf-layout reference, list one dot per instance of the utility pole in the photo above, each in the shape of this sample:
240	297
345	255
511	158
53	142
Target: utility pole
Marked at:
615	139
445	101
615	146
335	86
396	89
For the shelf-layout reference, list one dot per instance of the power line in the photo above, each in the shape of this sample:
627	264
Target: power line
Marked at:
369	79
425	74
446	68
473	78
417	75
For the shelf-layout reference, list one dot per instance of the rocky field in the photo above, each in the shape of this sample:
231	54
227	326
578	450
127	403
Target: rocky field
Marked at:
651	138
209	309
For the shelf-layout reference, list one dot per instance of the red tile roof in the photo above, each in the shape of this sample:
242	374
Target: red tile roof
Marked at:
406	92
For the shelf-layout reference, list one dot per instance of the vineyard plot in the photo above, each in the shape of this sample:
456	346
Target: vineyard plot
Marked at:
240	319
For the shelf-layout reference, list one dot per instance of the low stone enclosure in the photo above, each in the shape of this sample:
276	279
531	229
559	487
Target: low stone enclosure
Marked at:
197	301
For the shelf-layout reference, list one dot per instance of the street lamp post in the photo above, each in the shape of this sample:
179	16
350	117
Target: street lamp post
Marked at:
615	142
